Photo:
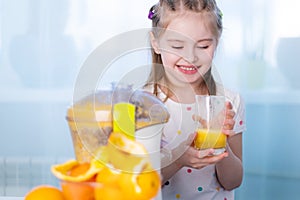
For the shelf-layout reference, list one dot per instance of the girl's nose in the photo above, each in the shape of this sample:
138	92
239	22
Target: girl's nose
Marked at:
191	56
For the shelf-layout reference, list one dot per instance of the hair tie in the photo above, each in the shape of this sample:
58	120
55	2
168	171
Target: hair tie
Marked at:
150	15
153	11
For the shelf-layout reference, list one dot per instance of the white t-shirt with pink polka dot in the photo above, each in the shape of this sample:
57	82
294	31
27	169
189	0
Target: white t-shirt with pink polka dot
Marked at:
188	183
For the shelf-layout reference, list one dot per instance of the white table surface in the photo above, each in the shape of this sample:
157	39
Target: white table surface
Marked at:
11	198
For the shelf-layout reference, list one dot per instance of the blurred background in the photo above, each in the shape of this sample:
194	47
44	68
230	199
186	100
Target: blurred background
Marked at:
43	44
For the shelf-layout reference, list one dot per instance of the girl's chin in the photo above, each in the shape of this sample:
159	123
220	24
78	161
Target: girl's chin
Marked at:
190	80
190	77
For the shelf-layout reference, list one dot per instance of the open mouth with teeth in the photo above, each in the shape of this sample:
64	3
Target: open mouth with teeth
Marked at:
187	69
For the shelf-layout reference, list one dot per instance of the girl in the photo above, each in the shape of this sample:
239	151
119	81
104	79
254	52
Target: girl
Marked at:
184	38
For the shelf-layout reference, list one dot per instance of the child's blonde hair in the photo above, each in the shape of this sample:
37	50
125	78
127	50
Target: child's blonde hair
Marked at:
162	13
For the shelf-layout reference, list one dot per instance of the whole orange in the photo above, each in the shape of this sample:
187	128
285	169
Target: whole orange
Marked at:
108	176
45	192
77	190
107	186
108	192
143	186
149	183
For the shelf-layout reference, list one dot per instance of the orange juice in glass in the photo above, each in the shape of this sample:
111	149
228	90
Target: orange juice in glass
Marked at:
210	116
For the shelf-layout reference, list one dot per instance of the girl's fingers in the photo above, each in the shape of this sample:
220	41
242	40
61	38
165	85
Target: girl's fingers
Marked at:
229	120
228	105
200	119
207	158
204	153
229	133
230	114
228	124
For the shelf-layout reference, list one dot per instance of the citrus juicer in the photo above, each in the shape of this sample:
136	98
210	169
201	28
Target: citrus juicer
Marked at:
91	121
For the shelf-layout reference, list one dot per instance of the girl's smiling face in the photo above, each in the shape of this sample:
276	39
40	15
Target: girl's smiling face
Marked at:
187	48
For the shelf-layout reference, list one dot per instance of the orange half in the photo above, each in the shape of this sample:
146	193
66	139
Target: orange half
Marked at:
73	171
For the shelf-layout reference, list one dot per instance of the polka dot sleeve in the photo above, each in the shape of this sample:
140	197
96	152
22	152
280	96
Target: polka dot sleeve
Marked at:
239	108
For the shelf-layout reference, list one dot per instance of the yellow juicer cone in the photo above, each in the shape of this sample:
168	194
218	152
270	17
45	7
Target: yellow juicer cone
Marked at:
124	119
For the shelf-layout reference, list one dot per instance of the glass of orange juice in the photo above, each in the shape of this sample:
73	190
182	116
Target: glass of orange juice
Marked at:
210	116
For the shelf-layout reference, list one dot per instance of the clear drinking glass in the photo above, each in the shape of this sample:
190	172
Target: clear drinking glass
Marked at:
210	116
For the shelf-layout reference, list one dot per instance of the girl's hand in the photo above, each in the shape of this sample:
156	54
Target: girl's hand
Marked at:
228	123
187	156
229	120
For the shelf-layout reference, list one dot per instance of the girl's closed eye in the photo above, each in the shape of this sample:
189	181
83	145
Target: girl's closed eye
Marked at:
177	47
203	47
204	44
176	44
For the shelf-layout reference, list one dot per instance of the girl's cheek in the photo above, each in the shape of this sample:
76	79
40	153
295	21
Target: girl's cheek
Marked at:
169	59
205	57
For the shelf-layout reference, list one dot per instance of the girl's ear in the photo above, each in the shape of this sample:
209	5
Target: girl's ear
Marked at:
154	43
